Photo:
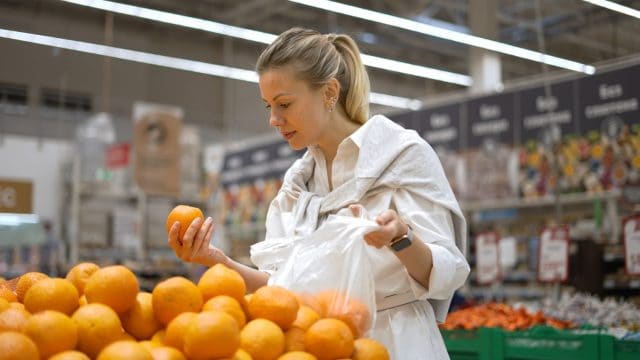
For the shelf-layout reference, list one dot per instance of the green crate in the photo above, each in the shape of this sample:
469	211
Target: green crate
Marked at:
469	344
626	350
545	343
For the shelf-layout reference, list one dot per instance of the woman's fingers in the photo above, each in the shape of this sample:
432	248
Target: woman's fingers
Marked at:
174	242
386	216
189	236
207	237
201	238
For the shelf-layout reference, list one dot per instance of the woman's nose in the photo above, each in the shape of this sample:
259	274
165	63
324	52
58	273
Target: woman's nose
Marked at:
275	120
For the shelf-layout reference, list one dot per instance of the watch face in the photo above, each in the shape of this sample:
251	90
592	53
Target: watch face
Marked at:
401	244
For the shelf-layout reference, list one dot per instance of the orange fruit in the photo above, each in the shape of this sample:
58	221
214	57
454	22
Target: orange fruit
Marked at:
115	286
125	336
309	301
166	353
13	319
173	297
185	215
158	337
294	339
52	294
140	321
4	304
70	355
149	345
15	345
52	332
262	339
297	355
220	280
305	318
98	326
83	300
7	294
350	310
329	339
25	282
227	304
120	350
369	349
177	328
17	305
80	274
241	355
274	303
211	334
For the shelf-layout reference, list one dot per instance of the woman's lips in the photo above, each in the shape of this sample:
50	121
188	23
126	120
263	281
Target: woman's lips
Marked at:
288	135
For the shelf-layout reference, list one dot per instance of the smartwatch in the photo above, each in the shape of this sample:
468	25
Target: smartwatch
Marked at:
403	242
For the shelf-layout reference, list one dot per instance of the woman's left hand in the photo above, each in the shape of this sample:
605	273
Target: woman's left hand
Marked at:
391	227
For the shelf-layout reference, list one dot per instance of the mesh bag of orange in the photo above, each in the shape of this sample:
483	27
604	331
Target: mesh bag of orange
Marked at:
330	270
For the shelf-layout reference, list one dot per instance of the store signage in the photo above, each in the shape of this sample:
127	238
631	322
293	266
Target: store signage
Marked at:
553	254
117	156
631	234
540	112
487	257
490	121
609	100
440	127
16	196
157	148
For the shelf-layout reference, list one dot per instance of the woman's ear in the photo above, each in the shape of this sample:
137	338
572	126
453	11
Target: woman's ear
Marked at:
332	91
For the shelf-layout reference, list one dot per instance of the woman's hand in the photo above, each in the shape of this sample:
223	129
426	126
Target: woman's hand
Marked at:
391	227
194	246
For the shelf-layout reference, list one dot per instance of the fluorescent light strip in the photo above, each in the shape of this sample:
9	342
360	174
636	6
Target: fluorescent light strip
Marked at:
615	7
176	63
446	34
264	38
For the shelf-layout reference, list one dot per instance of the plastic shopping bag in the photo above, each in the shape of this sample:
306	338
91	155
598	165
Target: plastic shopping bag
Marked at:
331	272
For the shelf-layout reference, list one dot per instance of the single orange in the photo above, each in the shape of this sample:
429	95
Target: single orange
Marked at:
98	326
52	332
120	350
166	353
8	295
4	304
329	339
25	282
15	345
310	301
115	286
227	304
294	339
80	274
174	296
149	345
177	328
305	318
52	294
13	319
70	355
185	215
241	355
221	280
297	355
369	349
274	303
352	311
211	335
262	339
158	337
139	321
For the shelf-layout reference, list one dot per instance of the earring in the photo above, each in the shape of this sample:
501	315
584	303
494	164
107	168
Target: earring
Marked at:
332	104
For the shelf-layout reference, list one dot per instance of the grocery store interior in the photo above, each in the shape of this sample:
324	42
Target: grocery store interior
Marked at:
114	112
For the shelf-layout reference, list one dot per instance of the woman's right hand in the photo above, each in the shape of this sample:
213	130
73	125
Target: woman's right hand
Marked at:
195	245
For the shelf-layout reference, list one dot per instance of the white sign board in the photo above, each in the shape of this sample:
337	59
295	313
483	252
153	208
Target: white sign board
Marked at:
553	258
487	257
631	231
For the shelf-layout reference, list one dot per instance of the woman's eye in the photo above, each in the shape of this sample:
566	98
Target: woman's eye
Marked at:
284	106
268	107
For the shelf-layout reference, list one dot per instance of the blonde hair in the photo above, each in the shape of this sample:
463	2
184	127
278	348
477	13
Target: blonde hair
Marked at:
316	58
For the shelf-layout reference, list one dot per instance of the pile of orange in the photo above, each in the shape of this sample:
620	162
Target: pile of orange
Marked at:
100	313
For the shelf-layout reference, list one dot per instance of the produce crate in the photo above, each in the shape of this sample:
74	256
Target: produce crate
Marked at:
545	343
626	350
470	344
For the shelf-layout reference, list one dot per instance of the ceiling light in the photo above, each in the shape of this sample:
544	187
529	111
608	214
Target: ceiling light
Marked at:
615	7
264	38
446	34
174	63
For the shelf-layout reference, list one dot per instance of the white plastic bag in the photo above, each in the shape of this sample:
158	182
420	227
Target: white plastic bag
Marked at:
331	272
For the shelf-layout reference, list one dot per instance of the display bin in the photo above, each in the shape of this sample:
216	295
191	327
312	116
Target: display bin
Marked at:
470	344
625	350
545	343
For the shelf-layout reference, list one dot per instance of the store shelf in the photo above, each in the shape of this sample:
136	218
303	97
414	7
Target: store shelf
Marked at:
564	199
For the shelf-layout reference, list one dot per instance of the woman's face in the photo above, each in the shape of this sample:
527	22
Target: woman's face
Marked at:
297	111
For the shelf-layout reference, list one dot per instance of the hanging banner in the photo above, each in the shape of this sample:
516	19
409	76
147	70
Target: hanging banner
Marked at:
157	148
491	121
553	254
609	101
487	257
631	236
440	127
539	112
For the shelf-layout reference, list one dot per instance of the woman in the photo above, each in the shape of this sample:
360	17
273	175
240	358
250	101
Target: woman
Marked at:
316	90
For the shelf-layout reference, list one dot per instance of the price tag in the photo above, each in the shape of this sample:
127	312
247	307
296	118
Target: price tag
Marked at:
487	257
631	232
553	258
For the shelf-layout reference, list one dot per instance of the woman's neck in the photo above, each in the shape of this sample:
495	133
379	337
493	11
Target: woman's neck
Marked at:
341	128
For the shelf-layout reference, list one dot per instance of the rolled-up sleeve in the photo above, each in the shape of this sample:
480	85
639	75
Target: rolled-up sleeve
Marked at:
433	225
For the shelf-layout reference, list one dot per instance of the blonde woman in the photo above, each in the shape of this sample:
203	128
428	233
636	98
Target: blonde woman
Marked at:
316	90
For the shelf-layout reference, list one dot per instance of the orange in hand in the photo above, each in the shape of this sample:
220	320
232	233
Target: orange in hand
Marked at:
184	214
